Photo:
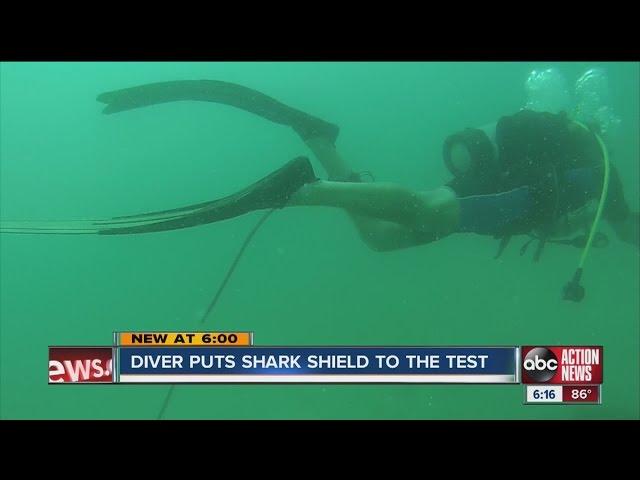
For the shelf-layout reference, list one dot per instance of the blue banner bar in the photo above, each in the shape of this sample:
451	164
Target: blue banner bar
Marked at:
263	360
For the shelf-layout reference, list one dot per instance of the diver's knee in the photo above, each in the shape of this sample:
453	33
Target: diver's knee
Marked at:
440	210
377	248
374	243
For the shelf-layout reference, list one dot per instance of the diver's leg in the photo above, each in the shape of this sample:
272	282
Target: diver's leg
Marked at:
433	211
338	170
376	233
333	163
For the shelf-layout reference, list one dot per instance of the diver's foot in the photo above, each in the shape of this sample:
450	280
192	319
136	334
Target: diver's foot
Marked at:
353	177
275	190
317	129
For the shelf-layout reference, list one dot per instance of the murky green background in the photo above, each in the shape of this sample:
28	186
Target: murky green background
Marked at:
306	278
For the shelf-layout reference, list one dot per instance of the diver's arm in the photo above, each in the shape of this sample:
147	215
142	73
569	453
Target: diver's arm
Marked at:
576	221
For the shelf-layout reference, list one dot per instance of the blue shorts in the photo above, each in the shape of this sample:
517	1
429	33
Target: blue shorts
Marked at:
495	213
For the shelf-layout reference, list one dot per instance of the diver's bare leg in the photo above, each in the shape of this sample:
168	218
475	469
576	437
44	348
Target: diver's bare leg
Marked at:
382	214
433	211
331	160
337	169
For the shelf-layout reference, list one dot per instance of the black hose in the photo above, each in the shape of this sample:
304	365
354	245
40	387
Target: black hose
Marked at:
213	303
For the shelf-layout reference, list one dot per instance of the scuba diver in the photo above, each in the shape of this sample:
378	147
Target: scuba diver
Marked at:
532	173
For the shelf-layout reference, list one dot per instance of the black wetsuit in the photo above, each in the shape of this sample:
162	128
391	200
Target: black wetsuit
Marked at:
546	166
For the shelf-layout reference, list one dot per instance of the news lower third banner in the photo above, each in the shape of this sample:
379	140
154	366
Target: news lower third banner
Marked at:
231	357
318	365
550	374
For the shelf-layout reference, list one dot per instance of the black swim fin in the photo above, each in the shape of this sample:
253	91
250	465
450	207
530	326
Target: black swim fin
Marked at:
307	126
273	191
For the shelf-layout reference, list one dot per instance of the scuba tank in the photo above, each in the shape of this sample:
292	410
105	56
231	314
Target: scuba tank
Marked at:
547	91
593	101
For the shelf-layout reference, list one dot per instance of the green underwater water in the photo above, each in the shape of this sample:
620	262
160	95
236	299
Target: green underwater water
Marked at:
306	279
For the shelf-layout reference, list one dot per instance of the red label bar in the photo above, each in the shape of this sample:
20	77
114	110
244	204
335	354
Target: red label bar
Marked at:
80	364
579	394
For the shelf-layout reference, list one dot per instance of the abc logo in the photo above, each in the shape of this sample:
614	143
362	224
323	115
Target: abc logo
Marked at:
540	364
